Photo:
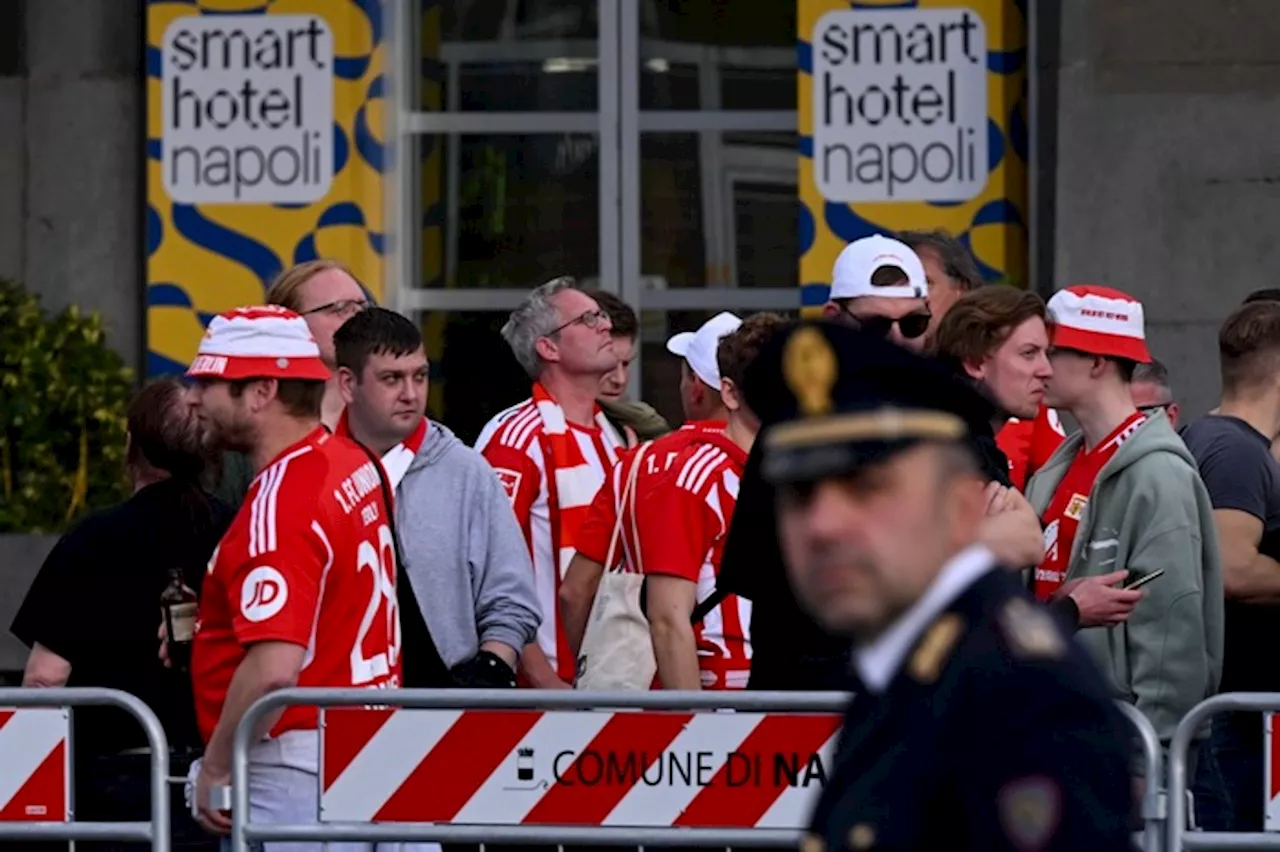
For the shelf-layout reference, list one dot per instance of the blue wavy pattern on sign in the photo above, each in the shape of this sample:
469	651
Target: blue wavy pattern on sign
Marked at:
992	224
221	240
203	259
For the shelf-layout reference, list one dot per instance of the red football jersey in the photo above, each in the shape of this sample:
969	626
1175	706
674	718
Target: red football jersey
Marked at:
596	532
683	519
1029	443
309	559
1062	516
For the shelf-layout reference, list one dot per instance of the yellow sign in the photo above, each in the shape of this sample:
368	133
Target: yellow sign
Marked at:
913	116
265	148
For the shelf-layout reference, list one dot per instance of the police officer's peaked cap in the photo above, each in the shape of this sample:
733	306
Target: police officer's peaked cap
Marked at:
833	399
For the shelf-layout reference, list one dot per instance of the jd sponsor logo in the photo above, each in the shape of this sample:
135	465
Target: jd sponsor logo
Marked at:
263	593
247	109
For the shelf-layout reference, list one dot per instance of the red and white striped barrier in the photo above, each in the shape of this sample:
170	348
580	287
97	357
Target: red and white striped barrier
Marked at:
565	767
35	774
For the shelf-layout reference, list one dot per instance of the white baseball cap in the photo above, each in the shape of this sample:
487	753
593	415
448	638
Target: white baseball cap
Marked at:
851	276
699	347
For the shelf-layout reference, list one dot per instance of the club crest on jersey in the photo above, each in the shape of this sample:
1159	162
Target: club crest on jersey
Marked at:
1075	508
510	480
263	593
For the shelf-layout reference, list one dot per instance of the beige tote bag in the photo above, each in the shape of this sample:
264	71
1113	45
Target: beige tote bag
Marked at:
617	651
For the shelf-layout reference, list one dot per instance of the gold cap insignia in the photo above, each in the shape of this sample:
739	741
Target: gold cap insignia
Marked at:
810	368
1031	631
1030	809
862	836
935	647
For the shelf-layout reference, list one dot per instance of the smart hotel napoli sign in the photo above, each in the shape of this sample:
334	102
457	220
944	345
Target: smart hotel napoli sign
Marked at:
248	109
900	105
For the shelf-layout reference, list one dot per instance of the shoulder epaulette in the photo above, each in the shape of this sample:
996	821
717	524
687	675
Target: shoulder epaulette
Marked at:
933	650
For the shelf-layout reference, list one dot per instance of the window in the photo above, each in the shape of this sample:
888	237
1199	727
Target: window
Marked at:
644	146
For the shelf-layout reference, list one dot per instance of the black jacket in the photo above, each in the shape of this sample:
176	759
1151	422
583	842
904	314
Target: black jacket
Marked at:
788	651
997	733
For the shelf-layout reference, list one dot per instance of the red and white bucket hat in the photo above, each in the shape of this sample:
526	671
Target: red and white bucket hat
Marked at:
1099	321
259	342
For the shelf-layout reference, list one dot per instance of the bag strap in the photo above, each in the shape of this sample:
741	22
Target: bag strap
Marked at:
428	666
387	498
631	506
627	498
707	604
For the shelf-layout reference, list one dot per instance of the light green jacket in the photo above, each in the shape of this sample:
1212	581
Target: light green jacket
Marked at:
1149	510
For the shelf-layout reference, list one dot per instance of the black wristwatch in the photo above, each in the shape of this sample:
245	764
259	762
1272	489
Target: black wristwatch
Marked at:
486	670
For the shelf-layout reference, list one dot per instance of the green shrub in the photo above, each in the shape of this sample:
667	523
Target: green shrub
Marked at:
63	397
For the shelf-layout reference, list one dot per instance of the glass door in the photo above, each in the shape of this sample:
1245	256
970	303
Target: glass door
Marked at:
509	128
644	147
708	170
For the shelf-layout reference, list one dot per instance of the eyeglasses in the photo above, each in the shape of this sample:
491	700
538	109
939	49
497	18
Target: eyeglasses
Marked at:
340	307
911	326
1152	409
590	319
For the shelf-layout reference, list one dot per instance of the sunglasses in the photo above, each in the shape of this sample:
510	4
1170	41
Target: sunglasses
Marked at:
911	326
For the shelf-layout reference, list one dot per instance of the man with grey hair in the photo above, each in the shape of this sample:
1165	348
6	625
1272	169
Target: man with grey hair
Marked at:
949	267
1151	391
553	451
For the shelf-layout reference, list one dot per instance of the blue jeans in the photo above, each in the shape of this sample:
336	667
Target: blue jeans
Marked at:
1228	784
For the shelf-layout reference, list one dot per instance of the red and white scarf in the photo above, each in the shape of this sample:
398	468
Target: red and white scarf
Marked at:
396	460
572	482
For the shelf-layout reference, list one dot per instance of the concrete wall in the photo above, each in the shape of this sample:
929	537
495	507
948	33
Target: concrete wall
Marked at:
1168	165
71	113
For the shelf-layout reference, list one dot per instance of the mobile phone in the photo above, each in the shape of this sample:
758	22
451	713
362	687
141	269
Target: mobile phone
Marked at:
1142	580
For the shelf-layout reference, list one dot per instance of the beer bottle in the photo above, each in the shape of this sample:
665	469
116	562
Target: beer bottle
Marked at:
178	606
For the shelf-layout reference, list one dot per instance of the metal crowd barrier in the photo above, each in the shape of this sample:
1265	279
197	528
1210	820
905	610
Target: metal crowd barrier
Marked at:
1153	809
244	832
1179	837
1153	806
157	830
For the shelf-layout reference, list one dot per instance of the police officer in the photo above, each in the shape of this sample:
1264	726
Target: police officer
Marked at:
975	722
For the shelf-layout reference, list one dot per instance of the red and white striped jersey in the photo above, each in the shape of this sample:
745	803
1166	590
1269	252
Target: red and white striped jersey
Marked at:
683	520
550	502
597	532
309	559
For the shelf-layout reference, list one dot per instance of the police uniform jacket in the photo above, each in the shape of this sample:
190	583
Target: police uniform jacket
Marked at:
977	725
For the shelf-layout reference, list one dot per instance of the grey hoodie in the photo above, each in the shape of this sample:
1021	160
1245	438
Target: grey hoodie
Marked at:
464	552
1149	510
